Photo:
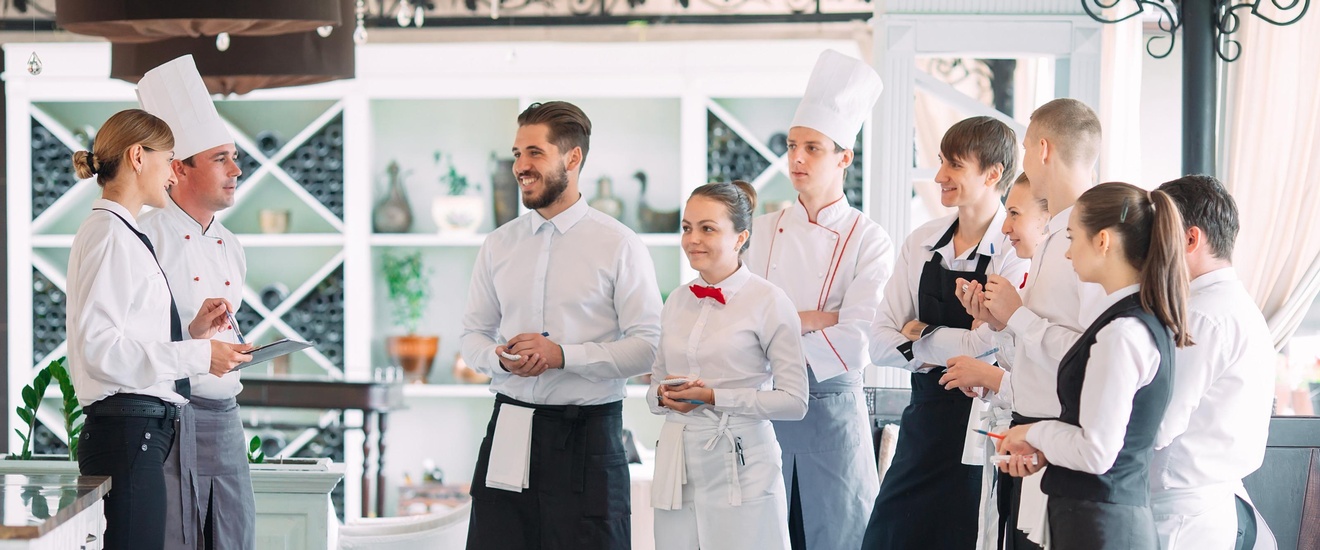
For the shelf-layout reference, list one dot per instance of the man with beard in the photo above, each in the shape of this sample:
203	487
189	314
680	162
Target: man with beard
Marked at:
563	307
210	505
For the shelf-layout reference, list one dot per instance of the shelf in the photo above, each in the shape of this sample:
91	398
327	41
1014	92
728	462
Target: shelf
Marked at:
478	390
427	239
52	241
290	239
661	239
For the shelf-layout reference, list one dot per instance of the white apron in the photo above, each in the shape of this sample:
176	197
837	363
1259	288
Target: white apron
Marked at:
1204	518
730	500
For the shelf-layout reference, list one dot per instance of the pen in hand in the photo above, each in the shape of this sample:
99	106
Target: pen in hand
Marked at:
234	323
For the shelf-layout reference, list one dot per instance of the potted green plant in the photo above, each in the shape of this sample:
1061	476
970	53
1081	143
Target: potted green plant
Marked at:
460	210
407	280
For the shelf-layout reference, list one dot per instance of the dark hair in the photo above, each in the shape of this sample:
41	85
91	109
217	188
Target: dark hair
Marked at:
568	126
1024	182
739	198
1151	230
1205	203
120	132
985	140
1072	128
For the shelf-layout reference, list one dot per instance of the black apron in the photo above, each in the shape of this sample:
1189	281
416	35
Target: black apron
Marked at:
929	498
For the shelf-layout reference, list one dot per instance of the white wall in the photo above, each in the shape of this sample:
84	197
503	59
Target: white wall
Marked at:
1161	117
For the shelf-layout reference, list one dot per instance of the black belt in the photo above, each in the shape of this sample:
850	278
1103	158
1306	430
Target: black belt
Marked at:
134	405
1020	419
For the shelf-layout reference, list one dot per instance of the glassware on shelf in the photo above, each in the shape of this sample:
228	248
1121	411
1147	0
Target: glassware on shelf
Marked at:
393	215
605	201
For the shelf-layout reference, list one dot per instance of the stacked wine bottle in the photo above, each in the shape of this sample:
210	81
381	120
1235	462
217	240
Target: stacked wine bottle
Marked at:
52	169
319	317
318	165
728	156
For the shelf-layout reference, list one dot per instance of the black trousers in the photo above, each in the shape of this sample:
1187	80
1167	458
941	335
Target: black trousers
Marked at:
131	450
579	493
1086	525
1010	494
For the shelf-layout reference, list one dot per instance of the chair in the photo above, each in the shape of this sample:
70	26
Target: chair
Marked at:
443	531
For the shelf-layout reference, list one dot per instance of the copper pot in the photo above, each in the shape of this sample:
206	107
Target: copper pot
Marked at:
414	354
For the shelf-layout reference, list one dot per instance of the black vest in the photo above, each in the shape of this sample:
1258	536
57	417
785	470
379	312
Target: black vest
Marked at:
1127	482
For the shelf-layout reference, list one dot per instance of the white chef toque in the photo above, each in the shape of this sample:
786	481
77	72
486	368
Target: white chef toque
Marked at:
839	97
175	92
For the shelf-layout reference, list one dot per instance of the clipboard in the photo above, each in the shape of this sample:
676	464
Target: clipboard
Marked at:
273	350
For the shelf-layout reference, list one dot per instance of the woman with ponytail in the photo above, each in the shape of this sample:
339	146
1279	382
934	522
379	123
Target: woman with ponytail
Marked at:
1115	383
730	361
129	356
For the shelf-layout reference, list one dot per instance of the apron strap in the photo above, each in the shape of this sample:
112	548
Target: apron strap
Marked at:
182	386
734	457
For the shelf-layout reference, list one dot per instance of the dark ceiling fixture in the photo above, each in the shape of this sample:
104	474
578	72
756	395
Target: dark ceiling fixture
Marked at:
1207	32
132	21
249	62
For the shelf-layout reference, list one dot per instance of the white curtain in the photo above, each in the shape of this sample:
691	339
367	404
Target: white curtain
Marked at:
1272	167
1121	54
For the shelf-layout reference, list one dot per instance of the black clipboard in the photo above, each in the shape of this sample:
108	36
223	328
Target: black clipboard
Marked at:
273	350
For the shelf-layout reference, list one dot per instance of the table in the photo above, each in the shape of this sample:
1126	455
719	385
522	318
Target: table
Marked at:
375	398
41	511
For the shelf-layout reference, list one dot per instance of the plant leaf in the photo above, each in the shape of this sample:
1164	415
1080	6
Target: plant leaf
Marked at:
26	415
76	414
255	444
30	397
21	435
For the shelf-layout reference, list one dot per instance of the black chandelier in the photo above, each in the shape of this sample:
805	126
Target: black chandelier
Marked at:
1207	26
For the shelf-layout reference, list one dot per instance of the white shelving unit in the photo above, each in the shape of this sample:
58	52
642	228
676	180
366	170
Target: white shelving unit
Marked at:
649	102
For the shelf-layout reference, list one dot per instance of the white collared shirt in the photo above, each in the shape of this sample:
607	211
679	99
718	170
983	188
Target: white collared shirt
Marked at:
1123	359
901	294
747	349
1219	415
582	277
839	263
1054	305
200	263
119	315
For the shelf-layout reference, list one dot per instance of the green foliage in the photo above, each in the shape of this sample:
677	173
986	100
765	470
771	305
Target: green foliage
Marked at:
406	277
458	183
255	456
72	412
32	396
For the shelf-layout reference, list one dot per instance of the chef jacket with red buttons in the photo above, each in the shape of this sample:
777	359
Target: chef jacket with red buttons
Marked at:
200	263
839	262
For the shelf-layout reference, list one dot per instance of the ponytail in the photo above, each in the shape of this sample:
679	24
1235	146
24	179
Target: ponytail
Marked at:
1164	279
1151	230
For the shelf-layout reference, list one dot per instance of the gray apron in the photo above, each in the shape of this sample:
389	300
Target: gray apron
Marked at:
219	481
832	453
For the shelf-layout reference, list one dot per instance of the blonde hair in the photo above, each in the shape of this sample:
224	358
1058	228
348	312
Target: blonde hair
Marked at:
1072	128
120	133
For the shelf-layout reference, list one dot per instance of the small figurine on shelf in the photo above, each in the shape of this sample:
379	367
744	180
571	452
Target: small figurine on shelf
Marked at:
393	215
407	280
650	220
457	212
605	201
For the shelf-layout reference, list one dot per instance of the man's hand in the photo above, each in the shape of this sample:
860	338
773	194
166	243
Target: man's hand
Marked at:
813	321
226	356
211	318
912	330
1019	463
539	354
966	373
1002	299
972	296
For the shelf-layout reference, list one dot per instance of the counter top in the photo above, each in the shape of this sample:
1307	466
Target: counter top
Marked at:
33	505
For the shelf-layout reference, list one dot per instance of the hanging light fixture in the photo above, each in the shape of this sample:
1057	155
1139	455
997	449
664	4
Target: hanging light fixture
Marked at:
248	63
134	21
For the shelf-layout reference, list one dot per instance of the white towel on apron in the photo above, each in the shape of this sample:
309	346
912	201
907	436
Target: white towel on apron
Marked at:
510	452
974	443
670	469
994	420
1032	517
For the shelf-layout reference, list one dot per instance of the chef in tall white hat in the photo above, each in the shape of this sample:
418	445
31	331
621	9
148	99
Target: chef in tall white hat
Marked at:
833	262
209	486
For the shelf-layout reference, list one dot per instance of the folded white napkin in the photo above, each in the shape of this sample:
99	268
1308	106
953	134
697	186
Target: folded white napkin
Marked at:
974	443
670	469
510	452
1032	518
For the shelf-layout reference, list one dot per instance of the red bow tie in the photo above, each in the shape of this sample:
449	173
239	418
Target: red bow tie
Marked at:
707	292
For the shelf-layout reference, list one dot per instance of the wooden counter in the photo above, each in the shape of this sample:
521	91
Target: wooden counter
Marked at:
35	509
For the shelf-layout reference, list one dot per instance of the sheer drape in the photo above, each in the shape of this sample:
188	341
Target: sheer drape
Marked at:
1272	167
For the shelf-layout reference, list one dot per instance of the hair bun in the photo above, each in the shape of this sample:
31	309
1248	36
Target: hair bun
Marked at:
84	164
